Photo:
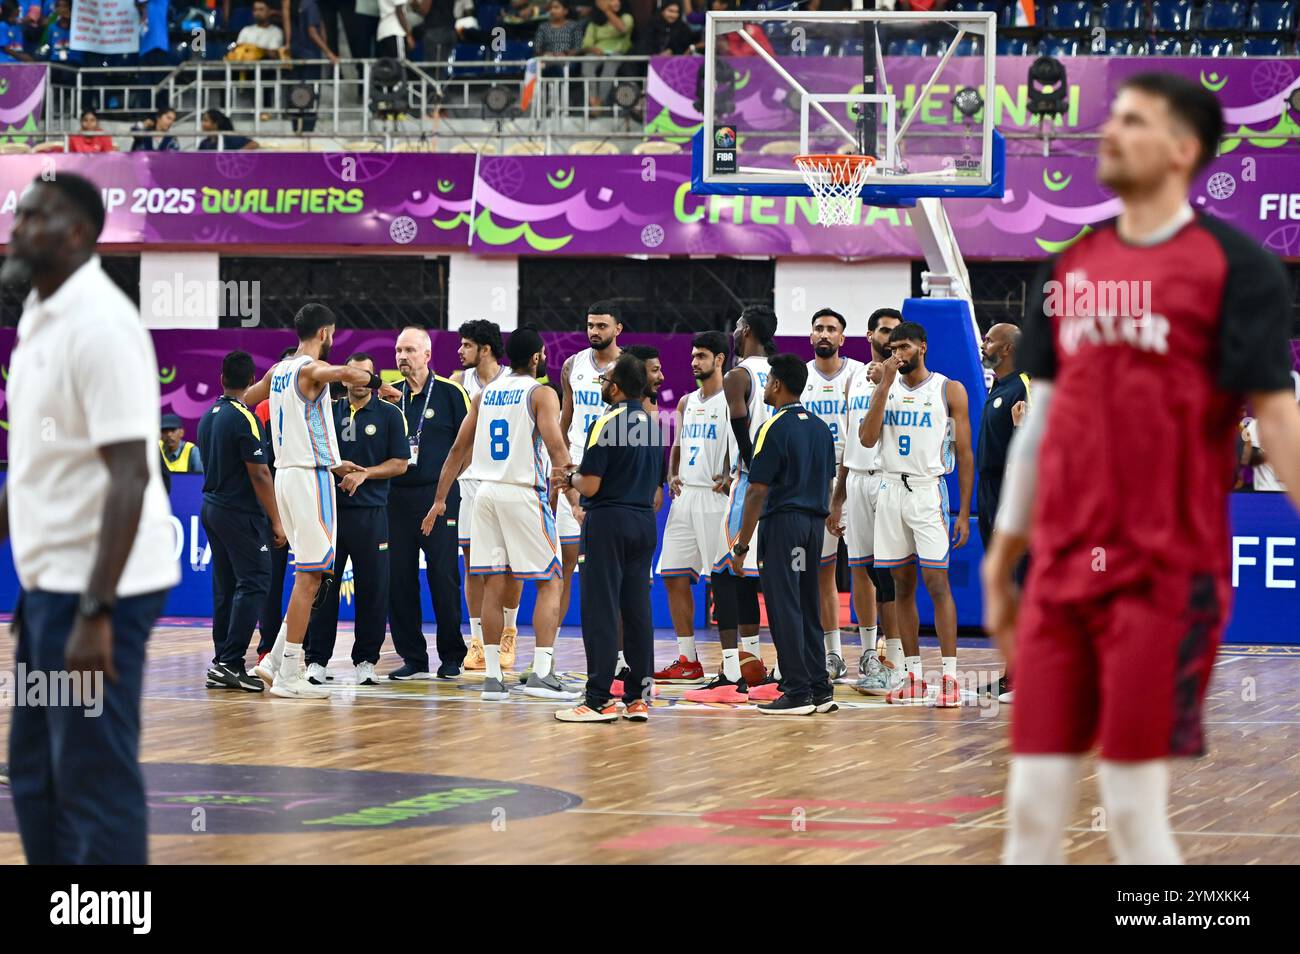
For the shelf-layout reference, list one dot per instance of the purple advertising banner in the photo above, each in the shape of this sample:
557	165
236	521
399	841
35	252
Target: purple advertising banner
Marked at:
22	99
599	205
1252	91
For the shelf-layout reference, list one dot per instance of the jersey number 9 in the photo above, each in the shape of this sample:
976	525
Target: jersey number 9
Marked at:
904	445
499	431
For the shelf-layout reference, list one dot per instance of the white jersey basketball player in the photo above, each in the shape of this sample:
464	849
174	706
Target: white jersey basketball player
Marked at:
306	458
512	435
700	478
823	395
582	406
912	414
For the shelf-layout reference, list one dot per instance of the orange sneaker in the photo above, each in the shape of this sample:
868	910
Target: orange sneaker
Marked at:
474	658
506	655
910	692
584	713
767	692
682	670
637	712
949	694
721	689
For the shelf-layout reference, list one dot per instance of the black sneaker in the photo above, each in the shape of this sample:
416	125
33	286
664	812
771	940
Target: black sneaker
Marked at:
825	703
787	706
445	671
407	672
219	677
245	680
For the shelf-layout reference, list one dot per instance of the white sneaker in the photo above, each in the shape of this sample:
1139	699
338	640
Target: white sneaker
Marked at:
366	674
297	687
1005	697
316	674
267	668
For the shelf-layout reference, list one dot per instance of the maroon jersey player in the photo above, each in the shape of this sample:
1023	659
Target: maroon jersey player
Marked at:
1144	340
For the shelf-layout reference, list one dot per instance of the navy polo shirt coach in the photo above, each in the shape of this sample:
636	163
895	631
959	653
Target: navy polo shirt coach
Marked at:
368	436
624	450
434	414
794	456
229	438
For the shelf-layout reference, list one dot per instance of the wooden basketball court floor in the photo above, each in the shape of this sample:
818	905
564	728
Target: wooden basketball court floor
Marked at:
427	772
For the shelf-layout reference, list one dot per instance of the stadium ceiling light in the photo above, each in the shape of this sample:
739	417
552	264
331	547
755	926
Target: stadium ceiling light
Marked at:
968	101
497	101
1294	100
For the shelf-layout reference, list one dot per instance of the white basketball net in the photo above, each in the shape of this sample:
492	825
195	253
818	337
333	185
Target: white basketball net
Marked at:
835	184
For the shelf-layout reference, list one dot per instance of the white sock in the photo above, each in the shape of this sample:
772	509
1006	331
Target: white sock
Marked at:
476	628
493	654
868	636
776	670
290	658
277	648
832	641
749	644
913	664
622	662
686	647
1042	791
950	666
511	614
894	653
731	664
1135	796
543	661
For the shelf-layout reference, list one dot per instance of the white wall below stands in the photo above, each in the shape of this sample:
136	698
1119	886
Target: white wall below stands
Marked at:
854	289
482	287
183	290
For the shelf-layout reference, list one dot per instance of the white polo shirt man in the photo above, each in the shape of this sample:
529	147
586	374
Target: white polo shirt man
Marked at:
83	375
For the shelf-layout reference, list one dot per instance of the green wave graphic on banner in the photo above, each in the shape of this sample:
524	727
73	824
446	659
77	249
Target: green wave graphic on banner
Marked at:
1273	138
1054	248
663	125
493	234
449	224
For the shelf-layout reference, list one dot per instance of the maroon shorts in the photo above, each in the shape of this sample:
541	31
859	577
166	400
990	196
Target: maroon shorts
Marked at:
1127	671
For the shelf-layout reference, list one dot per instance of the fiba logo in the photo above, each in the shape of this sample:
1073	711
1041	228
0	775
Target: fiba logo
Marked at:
403	230
724	137
1221	185
652	236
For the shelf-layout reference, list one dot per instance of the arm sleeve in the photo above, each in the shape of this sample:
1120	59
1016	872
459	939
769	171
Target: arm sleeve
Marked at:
397	444
251	449
1036	355
766	464
117	385
1255	323
1020	482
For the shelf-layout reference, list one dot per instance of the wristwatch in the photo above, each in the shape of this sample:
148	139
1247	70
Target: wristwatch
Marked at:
568	479
740	549
91	607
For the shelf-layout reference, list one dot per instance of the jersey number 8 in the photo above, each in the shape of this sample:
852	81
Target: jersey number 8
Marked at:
499	431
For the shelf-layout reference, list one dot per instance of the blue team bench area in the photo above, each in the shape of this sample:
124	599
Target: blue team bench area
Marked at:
1265	535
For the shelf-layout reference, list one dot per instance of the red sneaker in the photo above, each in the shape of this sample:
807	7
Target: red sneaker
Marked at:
683	670
720	689
767	692
910	692
949	694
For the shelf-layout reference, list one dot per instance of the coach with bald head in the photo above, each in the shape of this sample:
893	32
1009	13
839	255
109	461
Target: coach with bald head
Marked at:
433	407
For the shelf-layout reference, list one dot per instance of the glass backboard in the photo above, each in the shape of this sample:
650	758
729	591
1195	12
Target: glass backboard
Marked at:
906	88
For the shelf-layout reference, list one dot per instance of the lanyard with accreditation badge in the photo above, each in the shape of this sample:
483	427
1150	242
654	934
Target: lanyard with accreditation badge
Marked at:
414	439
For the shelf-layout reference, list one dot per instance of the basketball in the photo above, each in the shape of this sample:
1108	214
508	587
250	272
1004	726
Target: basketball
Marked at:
752	669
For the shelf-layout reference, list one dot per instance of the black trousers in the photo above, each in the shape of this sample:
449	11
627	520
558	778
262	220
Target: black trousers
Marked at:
272	614
988	492
363	536
618	545
241	576
406	508
789	552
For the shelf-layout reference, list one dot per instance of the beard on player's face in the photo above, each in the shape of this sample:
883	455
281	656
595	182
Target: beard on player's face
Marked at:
598	343
824	349
325	348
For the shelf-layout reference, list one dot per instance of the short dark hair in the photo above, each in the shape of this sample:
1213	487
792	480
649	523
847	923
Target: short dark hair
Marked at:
85	112
525	341
604	307
237	370
311	318
629	375
162	111
823	312
644	352
1190	102
712	341
360	356
83	195
761	321
908	331
874	321
483	332
790	370
220	120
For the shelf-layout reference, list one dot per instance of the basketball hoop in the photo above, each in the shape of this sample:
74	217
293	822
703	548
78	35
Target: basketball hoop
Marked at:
836	183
